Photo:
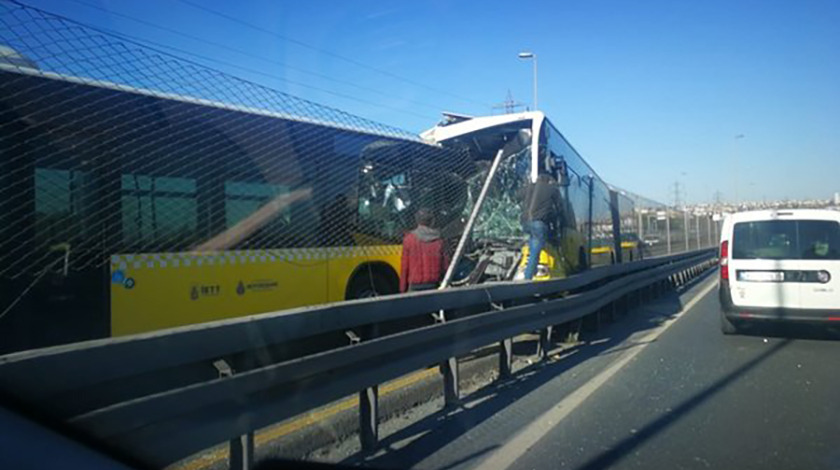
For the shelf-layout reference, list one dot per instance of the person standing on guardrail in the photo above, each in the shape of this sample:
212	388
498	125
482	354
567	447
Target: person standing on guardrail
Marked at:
424	258
540	202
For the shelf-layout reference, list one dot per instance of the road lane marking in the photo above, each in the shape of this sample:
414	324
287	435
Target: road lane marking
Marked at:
515	448
207	459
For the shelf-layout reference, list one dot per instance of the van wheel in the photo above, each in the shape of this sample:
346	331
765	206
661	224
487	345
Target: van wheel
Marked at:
365	286
726	326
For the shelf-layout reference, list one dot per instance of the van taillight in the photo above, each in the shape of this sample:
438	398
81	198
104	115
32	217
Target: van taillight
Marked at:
724	260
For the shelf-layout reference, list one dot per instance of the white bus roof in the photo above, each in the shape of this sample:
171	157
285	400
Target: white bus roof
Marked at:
441	133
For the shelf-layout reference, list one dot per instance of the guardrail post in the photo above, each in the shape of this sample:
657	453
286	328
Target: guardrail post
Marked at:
607	312
242	452
369	418
368	399
545	342
572	331
591	322
240	449
505	358
451	387
449	371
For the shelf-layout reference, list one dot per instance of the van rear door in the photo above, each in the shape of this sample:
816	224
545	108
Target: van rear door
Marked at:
819	244
762	251
786	263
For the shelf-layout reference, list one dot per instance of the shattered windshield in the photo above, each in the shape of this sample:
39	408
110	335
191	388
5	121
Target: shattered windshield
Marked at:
499	217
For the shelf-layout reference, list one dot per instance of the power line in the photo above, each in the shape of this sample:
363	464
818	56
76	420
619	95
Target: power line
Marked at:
326	52
245	53
509	105
152	45
260	72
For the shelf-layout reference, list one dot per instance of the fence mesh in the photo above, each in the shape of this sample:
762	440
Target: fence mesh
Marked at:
110	147
117	157
667	230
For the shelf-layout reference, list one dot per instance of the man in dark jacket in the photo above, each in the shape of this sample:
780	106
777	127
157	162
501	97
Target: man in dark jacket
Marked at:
424	260
540	210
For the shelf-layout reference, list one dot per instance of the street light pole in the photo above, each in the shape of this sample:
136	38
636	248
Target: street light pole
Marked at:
533	57
737	202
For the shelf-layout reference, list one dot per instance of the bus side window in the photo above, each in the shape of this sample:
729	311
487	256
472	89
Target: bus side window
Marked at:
383	201
159	213
64	211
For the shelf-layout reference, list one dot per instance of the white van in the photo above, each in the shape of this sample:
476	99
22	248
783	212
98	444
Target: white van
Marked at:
780	265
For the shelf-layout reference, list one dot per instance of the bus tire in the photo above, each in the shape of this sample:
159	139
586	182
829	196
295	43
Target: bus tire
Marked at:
372	280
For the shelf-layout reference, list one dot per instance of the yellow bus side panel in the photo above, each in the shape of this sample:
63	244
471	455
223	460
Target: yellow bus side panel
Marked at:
151	292
155	291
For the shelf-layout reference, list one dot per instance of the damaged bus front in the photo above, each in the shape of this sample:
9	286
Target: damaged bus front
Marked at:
512	150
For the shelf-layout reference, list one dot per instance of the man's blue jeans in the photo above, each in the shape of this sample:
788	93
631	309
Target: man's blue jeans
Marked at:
539	234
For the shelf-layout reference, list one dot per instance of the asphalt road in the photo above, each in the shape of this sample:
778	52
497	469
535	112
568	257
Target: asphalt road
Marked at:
662	388
698	399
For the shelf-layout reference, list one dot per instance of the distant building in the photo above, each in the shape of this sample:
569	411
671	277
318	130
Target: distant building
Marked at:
837	199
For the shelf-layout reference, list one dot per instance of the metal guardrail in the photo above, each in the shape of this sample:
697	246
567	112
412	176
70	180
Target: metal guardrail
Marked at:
162	396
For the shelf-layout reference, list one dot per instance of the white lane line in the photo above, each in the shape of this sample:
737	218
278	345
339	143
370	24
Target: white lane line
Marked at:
506	455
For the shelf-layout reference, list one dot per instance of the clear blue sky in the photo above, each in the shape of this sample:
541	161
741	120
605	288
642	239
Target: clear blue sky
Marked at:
650	92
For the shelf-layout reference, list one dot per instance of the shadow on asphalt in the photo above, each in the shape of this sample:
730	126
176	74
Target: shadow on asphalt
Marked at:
441	428
787	332
628	445
795	331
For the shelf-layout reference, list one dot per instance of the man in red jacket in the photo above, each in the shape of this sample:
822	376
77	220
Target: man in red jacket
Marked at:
424	259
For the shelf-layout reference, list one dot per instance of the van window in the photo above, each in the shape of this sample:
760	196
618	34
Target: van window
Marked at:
786	239
819	239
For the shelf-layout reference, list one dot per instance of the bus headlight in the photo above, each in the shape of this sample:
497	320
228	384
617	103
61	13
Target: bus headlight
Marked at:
542	270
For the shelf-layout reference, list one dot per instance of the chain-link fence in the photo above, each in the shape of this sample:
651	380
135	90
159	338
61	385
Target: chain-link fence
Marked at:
140	191
660	230
667	230
110	147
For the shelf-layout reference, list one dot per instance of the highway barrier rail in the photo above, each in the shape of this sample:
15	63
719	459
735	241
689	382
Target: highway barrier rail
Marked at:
163	396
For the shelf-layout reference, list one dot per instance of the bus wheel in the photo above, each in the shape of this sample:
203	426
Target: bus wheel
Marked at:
371	282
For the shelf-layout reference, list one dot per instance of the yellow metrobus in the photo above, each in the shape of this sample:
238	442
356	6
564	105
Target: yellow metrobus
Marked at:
527	144
127	210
